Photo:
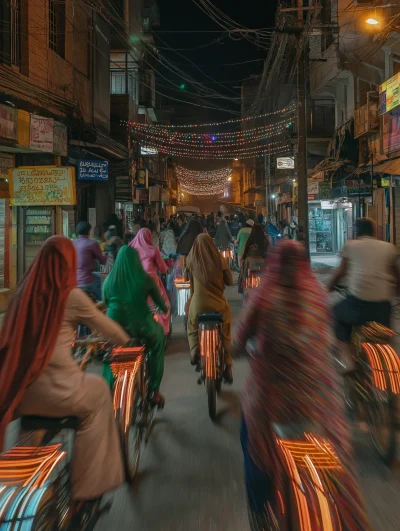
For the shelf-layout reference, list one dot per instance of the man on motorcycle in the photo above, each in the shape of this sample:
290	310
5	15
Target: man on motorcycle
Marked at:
372	273
88	252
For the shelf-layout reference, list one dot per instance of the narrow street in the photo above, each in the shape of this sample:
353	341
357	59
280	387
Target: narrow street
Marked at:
190	474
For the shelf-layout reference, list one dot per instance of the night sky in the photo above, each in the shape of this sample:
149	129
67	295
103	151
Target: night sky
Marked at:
212	51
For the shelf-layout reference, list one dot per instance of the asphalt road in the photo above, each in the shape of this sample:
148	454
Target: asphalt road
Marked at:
191	476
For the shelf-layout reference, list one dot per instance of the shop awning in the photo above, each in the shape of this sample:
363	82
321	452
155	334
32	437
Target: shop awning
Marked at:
391	167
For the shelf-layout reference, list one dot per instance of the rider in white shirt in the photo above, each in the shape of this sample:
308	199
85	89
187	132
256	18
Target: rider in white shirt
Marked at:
372	273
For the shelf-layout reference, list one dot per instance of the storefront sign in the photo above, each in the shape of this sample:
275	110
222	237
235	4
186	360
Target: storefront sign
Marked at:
165	195
285	198
93	170
41	133
8	123
154	193
312	188
141	178
358	187
42	185
391	132
145	151
60	140
389	94
324	190
385	182
285	163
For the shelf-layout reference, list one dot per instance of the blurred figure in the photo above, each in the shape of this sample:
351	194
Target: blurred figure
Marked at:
125	292
98	236
242	238
168	247
89	253
187	239
291	379
254	254
223	236
38	375
153	264
372	272
113	242
209	273
234	226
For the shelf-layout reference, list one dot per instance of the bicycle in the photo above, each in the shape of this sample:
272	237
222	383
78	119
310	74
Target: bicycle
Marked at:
306	493
182	286
34	492
370	391
211	357
133	409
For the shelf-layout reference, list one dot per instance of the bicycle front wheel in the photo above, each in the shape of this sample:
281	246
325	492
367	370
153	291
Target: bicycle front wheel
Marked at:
212	397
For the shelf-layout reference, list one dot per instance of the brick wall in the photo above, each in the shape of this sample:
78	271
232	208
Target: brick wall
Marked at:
68	77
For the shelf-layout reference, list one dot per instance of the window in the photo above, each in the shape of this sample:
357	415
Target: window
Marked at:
124	74
15	23
57	26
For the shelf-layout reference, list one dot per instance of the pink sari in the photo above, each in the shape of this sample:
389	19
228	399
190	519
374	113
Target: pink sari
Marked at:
153	264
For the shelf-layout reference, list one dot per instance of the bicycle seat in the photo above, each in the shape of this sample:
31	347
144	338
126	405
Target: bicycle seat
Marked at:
295	430
210	318
34	422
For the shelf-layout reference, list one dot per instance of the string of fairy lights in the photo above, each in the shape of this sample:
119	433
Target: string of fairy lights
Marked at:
195	182
243	138
243	142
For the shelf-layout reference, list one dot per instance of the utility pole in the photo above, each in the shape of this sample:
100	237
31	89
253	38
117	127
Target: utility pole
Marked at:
302	197
267	173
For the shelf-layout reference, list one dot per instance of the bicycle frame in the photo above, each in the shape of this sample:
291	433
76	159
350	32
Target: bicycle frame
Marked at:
210	349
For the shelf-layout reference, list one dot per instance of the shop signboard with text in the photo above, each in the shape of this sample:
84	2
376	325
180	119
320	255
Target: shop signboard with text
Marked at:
41	133
93	170
389	94
42	185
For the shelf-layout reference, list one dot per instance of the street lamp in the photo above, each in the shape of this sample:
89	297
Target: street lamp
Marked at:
229	178
273	196
372	21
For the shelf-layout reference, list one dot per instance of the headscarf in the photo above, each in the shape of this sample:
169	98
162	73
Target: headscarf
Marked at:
206	264
33	321
143	244
186	240
256	241
169	242
126	277
292	374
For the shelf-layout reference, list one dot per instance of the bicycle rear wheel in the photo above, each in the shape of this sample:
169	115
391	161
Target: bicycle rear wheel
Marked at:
380	407
212	397
131	437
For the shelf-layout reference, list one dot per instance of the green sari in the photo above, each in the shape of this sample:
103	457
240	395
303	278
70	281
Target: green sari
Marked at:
125	293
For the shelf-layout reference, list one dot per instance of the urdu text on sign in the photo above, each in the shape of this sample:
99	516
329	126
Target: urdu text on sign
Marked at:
93	170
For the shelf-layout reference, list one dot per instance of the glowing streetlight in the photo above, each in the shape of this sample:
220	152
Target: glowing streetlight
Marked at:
372	21
229	178
273	196
235	159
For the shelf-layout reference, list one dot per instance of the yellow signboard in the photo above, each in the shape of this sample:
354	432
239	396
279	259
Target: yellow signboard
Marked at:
389	94
42	185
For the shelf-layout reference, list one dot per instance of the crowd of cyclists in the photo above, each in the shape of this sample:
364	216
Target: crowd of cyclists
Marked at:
287	320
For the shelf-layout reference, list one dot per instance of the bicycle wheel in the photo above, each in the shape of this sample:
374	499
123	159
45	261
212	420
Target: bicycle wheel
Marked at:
212	397
131	437
380	408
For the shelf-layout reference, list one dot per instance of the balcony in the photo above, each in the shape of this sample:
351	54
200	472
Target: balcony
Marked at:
366	118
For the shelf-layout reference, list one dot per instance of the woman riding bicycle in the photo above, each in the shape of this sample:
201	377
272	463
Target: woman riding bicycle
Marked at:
153	264
254	254
291	379
125	293
209	273
38	375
